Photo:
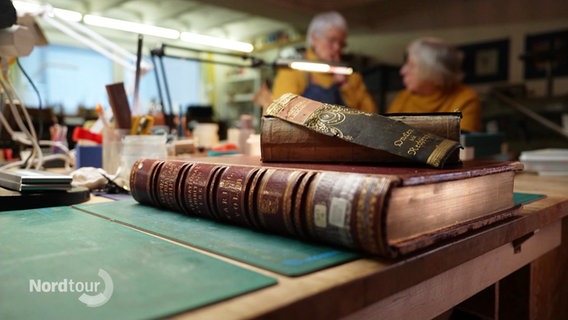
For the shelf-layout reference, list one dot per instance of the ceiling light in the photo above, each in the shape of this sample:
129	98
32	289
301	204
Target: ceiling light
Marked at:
131	27
216	42
68	14
311	66
36	9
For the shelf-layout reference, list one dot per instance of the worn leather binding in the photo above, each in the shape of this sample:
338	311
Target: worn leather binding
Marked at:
195	194
168	181
283	141
369	130
141	181
350	212
275	197
231	195
378	210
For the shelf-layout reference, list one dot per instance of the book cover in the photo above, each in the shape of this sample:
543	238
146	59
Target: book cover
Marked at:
365	129
385	211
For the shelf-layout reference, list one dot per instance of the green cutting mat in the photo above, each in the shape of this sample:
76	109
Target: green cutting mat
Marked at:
279	254
524	198
50	256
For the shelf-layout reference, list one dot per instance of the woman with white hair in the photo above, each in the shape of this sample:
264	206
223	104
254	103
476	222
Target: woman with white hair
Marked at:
326	39
432	76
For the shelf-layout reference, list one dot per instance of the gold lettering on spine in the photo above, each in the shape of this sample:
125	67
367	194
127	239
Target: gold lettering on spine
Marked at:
296	109
166	185
267	203
230	193
405	135
418	145
280	103
196	182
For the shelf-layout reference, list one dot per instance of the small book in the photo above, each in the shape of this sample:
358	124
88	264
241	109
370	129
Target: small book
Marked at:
364	130
34	180
284	141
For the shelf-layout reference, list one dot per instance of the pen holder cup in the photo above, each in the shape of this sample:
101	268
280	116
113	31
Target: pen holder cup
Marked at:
112	148
135	147
206	135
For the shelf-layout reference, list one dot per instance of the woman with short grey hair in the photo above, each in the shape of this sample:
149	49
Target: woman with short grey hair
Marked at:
326	39
438	61
432	75
323	22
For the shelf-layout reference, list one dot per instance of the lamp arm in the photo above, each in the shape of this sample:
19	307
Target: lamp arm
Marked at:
144	65
75	35
254	62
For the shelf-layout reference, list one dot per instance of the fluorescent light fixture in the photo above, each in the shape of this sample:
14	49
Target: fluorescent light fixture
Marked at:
131	27
26	7
32	8
68	15
216	42
311	66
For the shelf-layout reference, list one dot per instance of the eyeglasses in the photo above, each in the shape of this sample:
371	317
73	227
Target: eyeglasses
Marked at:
336	41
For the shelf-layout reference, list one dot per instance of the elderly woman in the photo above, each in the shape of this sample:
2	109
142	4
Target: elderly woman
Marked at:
432	77
326	39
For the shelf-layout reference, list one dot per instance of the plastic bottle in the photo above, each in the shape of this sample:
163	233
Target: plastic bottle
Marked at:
245	130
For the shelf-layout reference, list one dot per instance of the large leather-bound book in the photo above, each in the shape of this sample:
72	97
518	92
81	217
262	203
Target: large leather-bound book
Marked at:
385	211
284	141
364	129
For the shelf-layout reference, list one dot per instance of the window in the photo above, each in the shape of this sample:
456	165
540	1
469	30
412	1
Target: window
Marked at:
68	77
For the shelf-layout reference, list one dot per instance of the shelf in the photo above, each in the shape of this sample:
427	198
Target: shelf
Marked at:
242	97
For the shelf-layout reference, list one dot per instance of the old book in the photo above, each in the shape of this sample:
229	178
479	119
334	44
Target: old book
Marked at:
386	211
284	141
370	130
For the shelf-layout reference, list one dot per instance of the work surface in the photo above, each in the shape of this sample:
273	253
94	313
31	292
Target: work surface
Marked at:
421	286
357	285
374	288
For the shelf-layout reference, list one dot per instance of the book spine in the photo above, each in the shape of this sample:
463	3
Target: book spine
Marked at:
345	209
232	193
370	130
119	104
196	190
348	210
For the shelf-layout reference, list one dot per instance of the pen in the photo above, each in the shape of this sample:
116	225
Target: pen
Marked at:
101	114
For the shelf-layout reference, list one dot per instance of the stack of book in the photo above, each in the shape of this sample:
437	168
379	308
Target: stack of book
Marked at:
29	188
358	202
546	162
24	180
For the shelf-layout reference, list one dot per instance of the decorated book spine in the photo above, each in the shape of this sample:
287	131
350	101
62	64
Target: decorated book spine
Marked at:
338	208
364	129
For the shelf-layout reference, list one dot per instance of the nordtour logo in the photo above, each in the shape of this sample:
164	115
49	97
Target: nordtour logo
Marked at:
93	293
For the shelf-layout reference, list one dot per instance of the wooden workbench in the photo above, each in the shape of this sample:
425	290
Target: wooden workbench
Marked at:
526	252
